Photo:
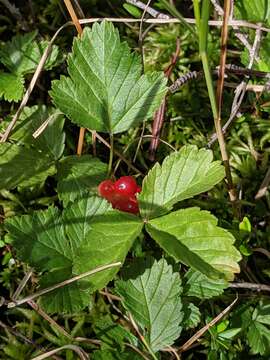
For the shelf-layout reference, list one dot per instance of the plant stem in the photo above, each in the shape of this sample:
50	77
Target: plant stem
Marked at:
111	155
202	24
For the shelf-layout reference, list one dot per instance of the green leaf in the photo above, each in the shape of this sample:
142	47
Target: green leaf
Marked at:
40	241
115	355
201	286
255	11
79	176
258	337
210	247
105	235
22	166
51	140
110	333
192	316
88	234
180	252
105	90
11	86
181	176
132	10
153	299
22	54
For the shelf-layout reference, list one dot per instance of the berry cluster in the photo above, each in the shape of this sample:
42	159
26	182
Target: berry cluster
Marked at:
121	193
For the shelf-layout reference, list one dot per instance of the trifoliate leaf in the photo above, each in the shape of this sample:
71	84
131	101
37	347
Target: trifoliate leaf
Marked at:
79	176
198	231
181	176
52	138
88	234
153	299
22	166
203	287
105	90
106	235
11	86
22	54
192	315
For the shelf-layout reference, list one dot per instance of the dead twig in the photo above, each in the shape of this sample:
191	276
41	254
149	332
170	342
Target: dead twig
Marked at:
250	286
160	113
219	95
77	24
12	304
264	186
200	333
79	351
117	153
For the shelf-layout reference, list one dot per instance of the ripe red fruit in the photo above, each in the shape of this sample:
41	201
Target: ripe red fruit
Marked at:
121	194
106	189
128	204
126	186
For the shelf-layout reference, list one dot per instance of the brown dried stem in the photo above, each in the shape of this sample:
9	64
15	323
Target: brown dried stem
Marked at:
77	24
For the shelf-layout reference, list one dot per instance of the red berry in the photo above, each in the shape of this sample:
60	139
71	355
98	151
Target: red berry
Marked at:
126	186
128	204
106	189
139	189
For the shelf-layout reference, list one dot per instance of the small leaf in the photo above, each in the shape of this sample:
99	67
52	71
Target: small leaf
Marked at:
245	225
259	338
79	176
181	176
192	316
153	299
202	287
11	86
105	90
255	11
51	140
22	166
132	10
22	54
211	247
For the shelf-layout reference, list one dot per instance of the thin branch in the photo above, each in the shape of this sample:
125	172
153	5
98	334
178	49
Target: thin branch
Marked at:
203	330
12	304
250	286
79	351
156	14
241	36
216	23
160	113
50	320
219	94
264	186
22	285
117	153
141	337
77	24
